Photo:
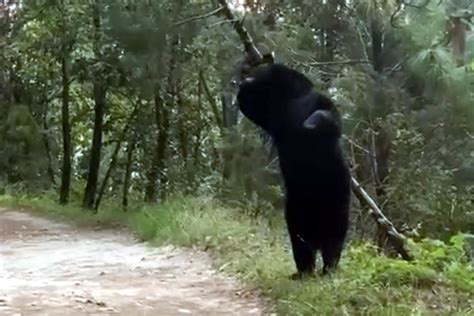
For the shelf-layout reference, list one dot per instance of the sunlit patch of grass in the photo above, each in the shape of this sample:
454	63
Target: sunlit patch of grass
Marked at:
366	283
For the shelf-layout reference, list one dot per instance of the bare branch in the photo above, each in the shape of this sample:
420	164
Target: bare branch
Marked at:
199	17
238	26
356	145
402	3
339	62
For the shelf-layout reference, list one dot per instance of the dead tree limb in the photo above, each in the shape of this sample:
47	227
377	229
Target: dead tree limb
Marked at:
395	237
238	26
199	17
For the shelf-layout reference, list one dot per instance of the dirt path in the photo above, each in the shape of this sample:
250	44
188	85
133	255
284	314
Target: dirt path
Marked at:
47	268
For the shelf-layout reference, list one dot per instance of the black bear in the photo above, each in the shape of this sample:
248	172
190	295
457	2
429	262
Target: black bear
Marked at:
306	130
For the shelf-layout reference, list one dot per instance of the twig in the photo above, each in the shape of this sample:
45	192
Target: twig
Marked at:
199	17
402	3
339	62
356	145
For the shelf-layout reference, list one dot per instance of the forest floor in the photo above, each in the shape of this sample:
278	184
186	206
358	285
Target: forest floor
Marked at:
58	269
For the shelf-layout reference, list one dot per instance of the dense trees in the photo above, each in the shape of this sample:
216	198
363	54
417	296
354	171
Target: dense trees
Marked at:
133	100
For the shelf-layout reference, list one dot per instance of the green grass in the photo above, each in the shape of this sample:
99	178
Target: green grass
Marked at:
439	282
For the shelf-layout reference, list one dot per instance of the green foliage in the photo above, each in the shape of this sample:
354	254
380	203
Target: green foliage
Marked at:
22	154
411	101
253	180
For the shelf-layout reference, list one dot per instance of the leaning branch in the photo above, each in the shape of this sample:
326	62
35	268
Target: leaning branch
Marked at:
383	223
396	238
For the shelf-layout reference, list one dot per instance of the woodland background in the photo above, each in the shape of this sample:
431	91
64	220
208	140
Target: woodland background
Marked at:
131	103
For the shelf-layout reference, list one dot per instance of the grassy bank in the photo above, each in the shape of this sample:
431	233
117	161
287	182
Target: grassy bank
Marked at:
439	282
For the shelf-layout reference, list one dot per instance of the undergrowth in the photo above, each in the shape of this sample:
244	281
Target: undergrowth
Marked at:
439	282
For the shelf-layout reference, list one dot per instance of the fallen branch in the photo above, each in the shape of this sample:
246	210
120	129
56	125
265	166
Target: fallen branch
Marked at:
396	238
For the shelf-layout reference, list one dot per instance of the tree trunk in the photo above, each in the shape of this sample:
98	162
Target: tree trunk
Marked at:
128	172
377	42
66	129
457	30
113	160
158	163
182	132
381	142
100	94
162	116
96	149
47	147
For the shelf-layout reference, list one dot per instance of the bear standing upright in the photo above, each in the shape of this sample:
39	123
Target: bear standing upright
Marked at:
306	130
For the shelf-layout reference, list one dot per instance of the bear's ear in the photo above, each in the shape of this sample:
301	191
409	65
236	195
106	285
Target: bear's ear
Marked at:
253	61
268	58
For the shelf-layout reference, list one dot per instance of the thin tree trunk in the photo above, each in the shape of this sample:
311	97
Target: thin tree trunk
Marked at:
457	30
113	160
162	120
47	147
182	132
65	188
100	94
212	101
380	142
96	149
162	117
377	42
128	172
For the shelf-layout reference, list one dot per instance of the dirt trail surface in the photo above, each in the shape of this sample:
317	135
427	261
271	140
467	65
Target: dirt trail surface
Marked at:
48	268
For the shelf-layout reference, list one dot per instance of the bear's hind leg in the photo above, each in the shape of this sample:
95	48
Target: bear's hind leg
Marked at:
303	254
331	252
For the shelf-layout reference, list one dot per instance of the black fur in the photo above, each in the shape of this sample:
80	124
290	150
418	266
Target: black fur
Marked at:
306	130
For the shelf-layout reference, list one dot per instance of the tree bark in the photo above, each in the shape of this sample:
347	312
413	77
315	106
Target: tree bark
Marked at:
96	149
47	147
65	188
457	30
113	160
100	94
381	142
128	172
162	121
377	42
162	117
182	132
